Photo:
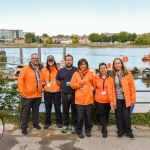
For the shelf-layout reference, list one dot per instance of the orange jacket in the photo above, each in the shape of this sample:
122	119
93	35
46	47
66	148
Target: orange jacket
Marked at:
128	88
49	79
83	93
27	83
101	88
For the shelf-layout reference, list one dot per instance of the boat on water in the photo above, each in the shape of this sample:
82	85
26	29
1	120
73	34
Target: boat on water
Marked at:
146	58
135	70
146	73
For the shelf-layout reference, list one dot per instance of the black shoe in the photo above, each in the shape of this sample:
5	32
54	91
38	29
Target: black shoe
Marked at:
37	127
88	134
81	136
104	135
24	132
119	135
131	136
59	125
46	126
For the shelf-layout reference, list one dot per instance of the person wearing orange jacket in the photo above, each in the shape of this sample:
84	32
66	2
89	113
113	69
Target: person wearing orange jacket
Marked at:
122	98
82	81
51	92
30	89
102	98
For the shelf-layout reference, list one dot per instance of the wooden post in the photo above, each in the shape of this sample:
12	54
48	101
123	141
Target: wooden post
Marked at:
39	52
64	52
21	55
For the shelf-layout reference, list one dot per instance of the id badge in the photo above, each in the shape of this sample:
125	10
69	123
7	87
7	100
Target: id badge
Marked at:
67	83
48	84
103	92
82	87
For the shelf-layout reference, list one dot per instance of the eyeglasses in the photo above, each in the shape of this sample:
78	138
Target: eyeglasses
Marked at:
34	58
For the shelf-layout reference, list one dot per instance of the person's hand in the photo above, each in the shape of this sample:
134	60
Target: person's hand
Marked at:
112	105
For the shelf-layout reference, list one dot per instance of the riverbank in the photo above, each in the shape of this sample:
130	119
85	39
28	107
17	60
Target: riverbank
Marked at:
99	45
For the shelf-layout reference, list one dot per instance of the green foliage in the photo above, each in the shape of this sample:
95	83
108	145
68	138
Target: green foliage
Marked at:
45	35
9	98
56	42
38	39
143	39
104	38
132	37
94	37
114	38
49	40
3	58
44	45
30	38
123	37
75	39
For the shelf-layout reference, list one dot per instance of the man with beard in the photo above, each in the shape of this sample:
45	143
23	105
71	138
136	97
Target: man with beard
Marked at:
64	76
30	89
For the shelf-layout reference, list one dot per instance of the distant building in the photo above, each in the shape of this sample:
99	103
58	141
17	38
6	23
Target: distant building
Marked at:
20	41
83	40
9	36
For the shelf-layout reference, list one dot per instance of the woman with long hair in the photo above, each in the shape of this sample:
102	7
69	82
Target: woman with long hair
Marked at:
124	96
82	81
52	92
102	98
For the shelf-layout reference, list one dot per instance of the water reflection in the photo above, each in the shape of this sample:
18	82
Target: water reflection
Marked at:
146	82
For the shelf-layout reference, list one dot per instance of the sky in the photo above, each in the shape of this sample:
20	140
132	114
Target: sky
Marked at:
79	17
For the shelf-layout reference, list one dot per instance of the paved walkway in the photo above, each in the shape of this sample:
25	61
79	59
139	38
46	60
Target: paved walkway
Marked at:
53	139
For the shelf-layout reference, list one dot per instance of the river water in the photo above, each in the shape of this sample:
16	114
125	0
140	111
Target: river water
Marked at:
94	57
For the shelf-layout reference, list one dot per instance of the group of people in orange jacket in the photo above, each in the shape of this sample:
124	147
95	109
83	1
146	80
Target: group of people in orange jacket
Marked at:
73	87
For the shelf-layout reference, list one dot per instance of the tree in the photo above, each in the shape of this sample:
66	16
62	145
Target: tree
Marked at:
132	37
38	39
114	38
143	39
30	38
49	40
94	37
123	37
104	38
45	35
75	39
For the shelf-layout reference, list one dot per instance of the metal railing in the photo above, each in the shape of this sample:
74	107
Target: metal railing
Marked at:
20	102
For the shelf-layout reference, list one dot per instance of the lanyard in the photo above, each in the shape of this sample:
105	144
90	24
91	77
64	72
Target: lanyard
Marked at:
49	75
103	83
104	78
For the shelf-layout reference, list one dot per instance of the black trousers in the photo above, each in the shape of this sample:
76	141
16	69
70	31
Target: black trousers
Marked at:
123	120
27	105
103	112
84	114
55	98
67	101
